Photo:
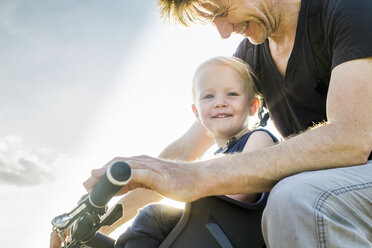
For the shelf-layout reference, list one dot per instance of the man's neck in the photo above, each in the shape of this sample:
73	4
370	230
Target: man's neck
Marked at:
282	40
288	18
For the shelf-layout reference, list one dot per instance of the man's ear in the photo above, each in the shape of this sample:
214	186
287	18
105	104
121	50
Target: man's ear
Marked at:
195	112
255	104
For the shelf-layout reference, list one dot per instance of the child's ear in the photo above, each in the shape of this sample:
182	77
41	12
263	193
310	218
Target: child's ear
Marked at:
195	111
255	104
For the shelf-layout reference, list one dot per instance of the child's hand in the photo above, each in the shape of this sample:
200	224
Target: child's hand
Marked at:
56	241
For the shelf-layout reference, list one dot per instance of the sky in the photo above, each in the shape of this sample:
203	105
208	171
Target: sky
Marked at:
82	82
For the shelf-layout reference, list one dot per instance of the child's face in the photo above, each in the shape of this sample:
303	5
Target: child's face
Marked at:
222	101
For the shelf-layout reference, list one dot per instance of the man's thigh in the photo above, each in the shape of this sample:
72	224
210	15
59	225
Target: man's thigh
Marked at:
326	208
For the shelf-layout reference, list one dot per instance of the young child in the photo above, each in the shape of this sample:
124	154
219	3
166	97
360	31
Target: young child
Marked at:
224	98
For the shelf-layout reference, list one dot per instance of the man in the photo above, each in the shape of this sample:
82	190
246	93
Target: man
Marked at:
320	177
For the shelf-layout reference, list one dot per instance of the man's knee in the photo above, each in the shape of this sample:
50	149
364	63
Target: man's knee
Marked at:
289	211
292	200
295	190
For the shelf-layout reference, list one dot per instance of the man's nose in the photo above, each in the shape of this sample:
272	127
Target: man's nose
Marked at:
223	26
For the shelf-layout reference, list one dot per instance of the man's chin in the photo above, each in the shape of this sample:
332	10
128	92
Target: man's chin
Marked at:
256	36
256	40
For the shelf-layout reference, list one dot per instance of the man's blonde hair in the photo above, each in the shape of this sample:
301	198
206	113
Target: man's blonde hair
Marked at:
188	11
243	69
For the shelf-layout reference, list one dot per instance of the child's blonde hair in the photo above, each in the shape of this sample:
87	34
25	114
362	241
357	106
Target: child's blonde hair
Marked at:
242	68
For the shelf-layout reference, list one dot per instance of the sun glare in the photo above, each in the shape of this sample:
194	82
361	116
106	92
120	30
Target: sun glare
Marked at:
173	203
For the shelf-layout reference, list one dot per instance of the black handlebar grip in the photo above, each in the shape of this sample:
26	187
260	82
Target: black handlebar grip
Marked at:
117	175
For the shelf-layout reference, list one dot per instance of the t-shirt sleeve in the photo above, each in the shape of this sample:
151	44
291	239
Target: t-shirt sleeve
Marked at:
350	31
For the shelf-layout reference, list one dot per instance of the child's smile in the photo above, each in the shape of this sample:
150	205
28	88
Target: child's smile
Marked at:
218	116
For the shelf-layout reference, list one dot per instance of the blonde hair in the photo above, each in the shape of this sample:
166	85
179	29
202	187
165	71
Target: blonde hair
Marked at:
188	11
243	69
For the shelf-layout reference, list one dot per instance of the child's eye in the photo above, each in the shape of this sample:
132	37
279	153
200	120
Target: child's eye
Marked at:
209	96
232	94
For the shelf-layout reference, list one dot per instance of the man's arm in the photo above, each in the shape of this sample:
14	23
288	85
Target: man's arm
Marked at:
345	140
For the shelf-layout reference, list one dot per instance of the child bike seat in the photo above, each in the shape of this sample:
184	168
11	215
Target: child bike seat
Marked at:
219	221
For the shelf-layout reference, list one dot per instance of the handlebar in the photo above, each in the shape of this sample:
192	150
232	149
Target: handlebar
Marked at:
85	220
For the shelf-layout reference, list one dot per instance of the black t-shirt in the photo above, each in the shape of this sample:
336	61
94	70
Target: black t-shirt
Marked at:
298	100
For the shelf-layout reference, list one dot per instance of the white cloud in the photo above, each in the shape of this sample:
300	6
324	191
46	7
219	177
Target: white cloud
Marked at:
23	167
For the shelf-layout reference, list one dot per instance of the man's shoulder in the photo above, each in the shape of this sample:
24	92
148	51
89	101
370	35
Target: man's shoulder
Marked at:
346	25
346	8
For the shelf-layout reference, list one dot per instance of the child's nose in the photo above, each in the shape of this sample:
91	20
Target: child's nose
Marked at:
220	102
223	26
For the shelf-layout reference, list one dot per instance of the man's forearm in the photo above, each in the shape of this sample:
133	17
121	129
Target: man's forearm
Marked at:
320	148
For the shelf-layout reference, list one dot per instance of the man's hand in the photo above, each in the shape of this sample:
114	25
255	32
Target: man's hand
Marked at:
176	180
